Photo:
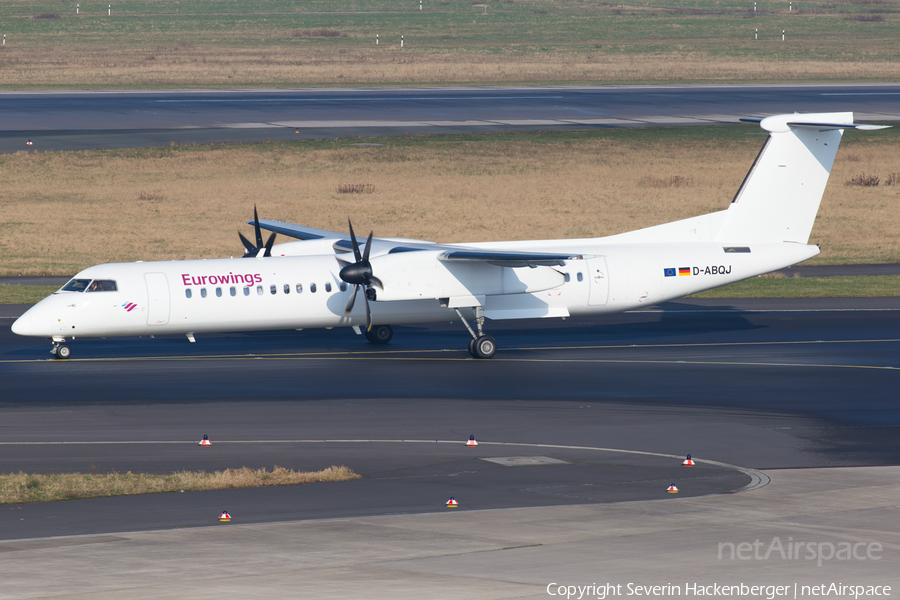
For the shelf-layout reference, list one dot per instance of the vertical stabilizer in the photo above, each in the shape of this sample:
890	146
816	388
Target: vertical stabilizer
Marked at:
780	196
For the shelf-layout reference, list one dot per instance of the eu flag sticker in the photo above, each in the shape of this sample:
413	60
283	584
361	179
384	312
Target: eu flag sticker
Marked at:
669	272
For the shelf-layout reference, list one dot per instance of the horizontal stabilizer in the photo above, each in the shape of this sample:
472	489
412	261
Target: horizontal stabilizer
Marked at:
782	123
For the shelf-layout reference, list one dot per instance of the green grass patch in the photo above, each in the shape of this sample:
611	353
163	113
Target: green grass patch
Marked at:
25	294
809	287
18	488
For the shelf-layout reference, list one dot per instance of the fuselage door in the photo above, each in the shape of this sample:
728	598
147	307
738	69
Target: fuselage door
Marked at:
598	280
157	298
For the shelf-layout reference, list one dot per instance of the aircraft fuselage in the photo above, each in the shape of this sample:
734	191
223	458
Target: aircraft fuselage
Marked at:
297	292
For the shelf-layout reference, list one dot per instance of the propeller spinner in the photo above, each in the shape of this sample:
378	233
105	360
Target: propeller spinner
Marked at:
359	274
251	251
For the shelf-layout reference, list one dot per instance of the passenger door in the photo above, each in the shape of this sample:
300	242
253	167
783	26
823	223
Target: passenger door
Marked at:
157	298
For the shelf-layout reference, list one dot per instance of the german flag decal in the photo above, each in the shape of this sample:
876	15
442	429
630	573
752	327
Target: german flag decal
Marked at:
684	271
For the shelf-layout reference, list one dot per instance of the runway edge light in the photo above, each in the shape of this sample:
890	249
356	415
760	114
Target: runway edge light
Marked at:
672	489
471	443
688	462
225	517
205	441
451	503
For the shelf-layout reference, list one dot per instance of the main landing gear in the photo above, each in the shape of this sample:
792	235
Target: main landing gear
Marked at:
481	345
61	350
380	334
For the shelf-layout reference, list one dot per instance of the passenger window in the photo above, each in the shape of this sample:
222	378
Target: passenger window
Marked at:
580	277
246	291
203	292
328	286
187	293
76	285
259	291
233	291
218	292
567	277
103	285
312	288
299	288
343	286
287	288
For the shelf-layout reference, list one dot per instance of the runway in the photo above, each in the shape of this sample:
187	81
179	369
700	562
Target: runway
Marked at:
758	384
120	119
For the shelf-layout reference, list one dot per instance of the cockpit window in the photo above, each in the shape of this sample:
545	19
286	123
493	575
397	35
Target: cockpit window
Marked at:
76	285
102	285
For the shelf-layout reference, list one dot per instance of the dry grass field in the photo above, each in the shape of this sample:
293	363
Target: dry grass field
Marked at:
16	488
63	211
277	43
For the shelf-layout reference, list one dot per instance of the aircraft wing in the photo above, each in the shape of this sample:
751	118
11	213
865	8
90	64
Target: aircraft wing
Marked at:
299	232
503	258
341	240
452	254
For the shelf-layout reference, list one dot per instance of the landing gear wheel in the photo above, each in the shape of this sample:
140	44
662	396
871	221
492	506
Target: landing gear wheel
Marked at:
63	351
483	347
380	334
472	348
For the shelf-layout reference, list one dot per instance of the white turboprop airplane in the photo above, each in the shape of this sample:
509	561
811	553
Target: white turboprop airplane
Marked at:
314	282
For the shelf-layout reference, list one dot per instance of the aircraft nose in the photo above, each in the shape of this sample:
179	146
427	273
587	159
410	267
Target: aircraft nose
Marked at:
24	325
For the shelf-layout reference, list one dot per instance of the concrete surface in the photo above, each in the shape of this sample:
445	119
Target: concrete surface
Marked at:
511	553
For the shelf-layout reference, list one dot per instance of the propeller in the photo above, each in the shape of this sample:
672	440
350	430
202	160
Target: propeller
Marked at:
251	251
359	273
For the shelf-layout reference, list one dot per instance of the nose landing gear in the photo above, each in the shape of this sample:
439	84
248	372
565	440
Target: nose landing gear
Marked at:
61	350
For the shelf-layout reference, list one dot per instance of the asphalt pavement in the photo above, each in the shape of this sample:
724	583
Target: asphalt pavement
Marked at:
77	120
757	384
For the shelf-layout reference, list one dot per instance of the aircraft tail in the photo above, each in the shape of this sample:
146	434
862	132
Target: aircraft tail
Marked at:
780	196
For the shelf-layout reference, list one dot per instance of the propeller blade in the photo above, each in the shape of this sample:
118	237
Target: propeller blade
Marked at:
352	300
249	249
376	282
269	243
368	246
368	313
353	241
259	242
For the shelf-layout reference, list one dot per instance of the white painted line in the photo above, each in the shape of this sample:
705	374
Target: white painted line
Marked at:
312	124
664	119
601	121
459	123
529	122
250	126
